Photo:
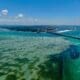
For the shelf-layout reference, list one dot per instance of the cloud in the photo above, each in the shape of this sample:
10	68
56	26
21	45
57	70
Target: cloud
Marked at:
20	15
4	12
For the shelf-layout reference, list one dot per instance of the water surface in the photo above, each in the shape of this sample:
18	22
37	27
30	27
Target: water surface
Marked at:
38	56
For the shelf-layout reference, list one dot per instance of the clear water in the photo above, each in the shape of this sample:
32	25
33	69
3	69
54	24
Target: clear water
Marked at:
38	56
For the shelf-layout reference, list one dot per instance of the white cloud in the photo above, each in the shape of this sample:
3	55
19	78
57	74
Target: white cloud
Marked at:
20	15
4	12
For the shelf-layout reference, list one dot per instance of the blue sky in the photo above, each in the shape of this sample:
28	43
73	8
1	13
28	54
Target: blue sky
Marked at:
53	12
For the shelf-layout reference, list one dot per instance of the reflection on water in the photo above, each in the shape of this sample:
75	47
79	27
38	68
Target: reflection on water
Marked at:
37	58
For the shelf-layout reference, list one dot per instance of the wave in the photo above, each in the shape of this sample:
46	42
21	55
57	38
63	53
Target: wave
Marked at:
62	31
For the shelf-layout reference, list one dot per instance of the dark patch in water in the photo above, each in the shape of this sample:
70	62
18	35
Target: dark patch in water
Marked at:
74	54
23	60
57	59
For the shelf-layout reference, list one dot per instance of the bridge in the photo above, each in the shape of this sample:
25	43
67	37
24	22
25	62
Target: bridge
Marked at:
68	36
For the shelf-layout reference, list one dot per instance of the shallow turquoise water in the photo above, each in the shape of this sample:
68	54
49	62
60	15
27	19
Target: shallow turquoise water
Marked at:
75	33
38	56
